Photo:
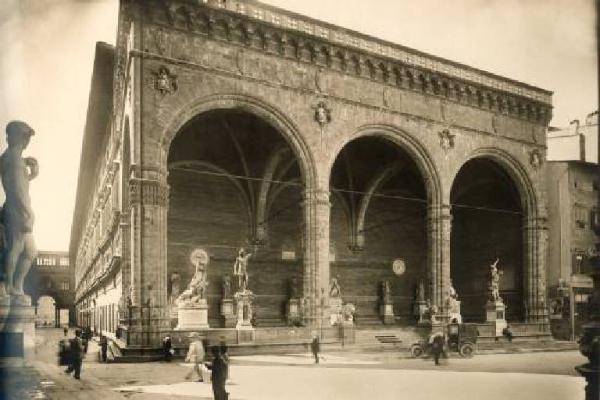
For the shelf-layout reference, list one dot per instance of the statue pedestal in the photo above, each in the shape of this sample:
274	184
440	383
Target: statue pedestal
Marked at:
229	318
192	316
335	310
495	312
387	313
244	310
17	326
293	312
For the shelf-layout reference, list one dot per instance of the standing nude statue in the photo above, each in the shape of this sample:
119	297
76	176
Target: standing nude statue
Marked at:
240	269
17	215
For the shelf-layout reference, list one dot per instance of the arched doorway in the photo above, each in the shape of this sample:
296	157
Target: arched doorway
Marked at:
487	225
235	182
45	312
378	215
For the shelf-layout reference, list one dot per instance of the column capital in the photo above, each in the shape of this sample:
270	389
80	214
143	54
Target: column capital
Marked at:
317	197
535	223
149	192
439	211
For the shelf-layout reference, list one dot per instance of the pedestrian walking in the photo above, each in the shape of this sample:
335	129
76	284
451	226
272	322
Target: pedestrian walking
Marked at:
75	355
437	347
219	374
315	347
103	347
167	346
195	355
66	331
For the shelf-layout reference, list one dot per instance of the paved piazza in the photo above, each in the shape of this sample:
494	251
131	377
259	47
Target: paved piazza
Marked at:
345	376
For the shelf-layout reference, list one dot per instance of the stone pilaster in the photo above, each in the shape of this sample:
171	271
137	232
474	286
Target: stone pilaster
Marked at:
439	224
149	205
535	234
316	255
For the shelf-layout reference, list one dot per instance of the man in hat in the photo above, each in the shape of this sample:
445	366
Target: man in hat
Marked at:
195	355
17	215
315	347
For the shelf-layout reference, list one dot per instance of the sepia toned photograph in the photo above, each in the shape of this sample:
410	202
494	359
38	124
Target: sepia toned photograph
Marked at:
303	200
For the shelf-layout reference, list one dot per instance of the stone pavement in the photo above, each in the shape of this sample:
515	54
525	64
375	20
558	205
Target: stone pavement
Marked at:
348	376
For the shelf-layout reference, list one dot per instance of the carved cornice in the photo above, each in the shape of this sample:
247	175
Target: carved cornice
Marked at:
148	192
273	32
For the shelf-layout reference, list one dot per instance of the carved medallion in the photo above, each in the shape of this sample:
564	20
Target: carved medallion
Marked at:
164	81
322	113
446	139
535	159
399	266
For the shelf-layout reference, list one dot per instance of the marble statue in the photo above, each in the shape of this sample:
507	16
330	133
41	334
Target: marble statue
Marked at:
17	216
452	300
196	289
334	288
386	292
421	291
175	287
240	269
293	287
494	284
226	287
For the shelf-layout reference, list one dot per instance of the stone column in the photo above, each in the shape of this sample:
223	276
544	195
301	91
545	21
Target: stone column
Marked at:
535	234
439	224
148	199
316	256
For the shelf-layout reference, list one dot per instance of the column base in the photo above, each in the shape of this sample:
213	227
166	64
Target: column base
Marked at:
293	316
387	314
227	314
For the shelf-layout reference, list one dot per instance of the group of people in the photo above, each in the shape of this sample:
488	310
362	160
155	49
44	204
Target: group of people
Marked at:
219	367
73	350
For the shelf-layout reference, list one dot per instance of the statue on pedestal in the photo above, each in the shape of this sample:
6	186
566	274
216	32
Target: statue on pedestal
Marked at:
226	287
17	214
386	292
175	287
494	284
196	289
240	269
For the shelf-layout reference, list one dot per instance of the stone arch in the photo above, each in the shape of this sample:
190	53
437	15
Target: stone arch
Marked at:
531	236
254	106
407	142
515	170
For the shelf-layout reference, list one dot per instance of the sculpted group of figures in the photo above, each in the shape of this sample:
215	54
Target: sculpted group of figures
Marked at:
196	289
16	216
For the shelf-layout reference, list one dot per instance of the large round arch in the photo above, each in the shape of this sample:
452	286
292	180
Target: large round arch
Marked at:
492	199
381	182
252	105
236	180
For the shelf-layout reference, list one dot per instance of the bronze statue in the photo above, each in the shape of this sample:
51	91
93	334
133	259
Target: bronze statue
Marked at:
240	269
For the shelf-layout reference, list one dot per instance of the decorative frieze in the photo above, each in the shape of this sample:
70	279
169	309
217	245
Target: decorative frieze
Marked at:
367	58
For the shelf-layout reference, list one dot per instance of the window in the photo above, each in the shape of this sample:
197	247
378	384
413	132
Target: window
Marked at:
594	220
581	216
65	285
64	262
50	261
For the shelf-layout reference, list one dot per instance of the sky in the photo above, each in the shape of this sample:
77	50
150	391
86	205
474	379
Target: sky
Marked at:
47	49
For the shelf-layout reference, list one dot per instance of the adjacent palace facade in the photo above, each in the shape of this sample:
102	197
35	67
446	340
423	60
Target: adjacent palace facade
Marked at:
324	152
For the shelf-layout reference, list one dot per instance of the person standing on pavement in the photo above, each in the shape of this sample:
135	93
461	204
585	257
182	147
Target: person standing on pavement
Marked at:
103	347
315	347
167	348
66	331
437	347
195	355
76	355
219	374
225	356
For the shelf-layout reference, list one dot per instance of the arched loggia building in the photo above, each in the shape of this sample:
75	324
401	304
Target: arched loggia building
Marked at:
213	126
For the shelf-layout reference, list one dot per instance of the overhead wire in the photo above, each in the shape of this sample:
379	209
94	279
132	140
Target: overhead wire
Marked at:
349	191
